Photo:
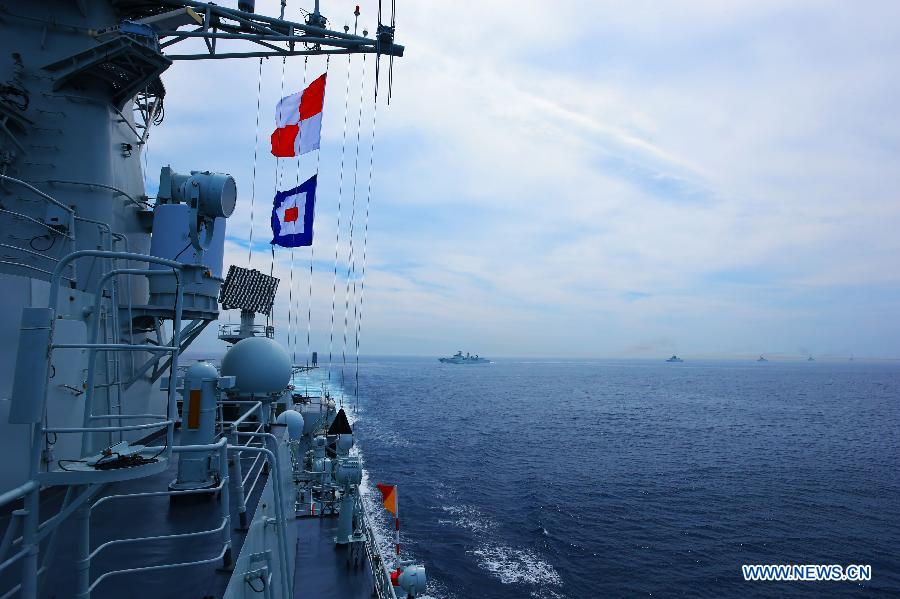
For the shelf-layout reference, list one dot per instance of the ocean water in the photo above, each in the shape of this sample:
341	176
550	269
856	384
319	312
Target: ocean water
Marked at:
637	478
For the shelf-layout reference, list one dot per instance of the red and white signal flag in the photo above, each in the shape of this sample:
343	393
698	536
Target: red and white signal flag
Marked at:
298	119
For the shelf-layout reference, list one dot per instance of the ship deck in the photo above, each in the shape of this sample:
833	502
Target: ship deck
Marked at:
141	517
321	567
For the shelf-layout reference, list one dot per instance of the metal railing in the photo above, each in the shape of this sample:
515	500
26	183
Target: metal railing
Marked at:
65	230
141	205
383	587
280	515
82	507
235	330
108	421
230	430
28	554
94	347
27	518
86	587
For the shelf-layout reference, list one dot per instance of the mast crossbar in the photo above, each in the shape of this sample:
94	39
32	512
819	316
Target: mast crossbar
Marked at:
230	24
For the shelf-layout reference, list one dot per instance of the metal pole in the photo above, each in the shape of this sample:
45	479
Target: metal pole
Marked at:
31	544
280	518
236	481
225	504
173	369
86	438
12	529
397	522
50	550
61	265
83	548
95	325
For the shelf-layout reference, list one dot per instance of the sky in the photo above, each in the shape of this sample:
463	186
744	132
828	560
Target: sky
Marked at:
575	179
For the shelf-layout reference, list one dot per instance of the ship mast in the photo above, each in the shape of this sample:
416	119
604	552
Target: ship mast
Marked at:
275	36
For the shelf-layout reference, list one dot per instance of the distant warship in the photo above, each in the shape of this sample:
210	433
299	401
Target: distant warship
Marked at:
459	358
674	358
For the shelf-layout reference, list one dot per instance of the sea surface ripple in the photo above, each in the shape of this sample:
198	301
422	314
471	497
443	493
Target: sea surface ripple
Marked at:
636	478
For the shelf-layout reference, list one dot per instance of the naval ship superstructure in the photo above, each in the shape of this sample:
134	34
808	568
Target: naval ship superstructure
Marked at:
459	358
123	472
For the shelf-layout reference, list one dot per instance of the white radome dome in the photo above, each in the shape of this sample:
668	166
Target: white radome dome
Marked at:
260	366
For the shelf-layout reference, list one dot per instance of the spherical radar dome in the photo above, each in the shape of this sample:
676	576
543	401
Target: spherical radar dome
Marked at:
200	371
260	366
294	421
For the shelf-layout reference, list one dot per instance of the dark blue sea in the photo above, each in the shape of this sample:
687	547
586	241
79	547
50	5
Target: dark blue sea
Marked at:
637	478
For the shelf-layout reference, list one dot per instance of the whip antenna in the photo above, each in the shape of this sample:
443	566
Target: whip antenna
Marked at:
391	60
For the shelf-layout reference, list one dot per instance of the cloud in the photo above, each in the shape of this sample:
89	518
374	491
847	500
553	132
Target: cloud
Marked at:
587	181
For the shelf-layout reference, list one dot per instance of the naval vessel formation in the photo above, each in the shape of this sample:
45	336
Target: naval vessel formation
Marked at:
127	472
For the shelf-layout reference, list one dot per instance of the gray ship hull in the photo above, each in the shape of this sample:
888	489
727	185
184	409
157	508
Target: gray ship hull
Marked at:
464	361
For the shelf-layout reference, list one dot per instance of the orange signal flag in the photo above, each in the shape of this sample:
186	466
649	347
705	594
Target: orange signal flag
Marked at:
389	496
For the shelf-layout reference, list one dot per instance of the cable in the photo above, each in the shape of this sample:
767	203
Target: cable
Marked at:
123	461
145	153
351	257
161	113
292	313
178	255
52	239
362	281
60	463
165	443
291	329
255	154
312	257
337	239
278	172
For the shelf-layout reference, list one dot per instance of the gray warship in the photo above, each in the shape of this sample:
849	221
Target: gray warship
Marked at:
459	358
128	472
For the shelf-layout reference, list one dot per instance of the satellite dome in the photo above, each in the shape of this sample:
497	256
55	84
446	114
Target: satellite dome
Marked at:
260	366
201	371
294	421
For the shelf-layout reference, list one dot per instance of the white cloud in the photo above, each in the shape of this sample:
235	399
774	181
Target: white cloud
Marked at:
731	165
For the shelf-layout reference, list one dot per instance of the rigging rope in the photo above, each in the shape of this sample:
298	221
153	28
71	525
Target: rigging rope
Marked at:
312	256
362	279
351	257
292	313
278	172
255	154
337	239
291	318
